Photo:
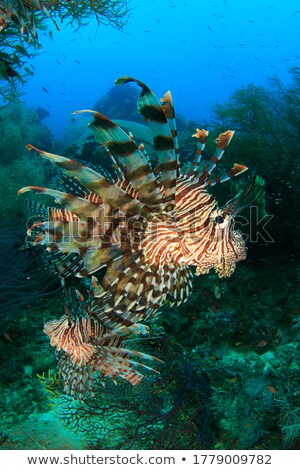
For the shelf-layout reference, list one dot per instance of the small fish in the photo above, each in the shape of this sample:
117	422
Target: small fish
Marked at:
45	89
7	337
262	343
27	70
22	50
272	389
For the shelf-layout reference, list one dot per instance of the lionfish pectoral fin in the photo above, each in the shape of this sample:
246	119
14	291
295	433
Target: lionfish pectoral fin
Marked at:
75	204
135	328
96	183
154	114
133	352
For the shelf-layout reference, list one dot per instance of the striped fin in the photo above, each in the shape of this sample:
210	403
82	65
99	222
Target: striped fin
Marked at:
119	174
96	183
63	264
106	315
110	360
36	208
78	381
61	215
138	171
44	212
72	185
132	352
167	104
222	142
145	153
201	135
96	258
227	175
79	206
80	237
152	110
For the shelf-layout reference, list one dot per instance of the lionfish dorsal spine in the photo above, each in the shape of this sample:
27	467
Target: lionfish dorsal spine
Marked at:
138	172
222	142
227	175
201	135
168	107
153	112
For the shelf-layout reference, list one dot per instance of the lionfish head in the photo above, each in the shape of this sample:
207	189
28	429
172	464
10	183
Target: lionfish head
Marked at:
227	245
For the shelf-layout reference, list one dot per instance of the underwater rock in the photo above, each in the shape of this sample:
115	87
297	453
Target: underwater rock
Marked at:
42	113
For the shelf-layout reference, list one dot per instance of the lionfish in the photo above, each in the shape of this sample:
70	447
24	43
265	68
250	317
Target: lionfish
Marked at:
147	227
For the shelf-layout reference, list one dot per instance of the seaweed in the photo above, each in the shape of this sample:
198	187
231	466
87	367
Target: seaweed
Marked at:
267	124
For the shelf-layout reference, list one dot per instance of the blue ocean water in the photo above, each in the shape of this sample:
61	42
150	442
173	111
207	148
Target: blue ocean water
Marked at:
200	50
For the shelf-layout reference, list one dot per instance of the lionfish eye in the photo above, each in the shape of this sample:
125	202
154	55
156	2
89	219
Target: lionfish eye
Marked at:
219	219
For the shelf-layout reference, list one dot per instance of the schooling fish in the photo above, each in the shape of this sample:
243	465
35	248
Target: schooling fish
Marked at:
148	227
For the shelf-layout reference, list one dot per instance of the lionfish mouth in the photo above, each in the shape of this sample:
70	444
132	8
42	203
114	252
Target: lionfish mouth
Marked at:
246	198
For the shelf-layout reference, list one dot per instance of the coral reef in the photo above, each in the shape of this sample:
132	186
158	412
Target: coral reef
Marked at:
22	124
266	121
